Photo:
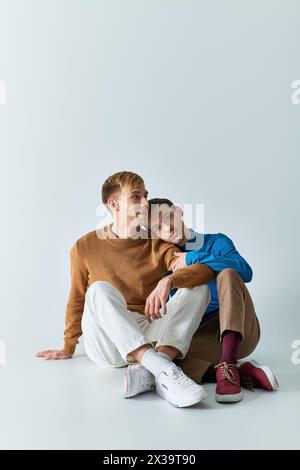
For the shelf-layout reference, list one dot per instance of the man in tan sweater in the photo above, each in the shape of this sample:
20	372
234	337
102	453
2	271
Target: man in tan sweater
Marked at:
118	299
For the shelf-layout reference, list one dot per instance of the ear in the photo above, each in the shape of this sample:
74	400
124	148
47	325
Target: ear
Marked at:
113	204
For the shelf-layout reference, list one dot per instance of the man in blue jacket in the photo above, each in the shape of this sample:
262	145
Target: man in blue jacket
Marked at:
229	329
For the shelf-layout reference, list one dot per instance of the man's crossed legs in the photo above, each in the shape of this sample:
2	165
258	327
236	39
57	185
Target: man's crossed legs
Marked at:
223	339
117	337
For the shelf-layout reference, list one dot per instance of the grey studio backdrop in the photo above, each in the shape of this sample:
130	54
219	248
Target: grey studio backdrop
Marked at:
193	95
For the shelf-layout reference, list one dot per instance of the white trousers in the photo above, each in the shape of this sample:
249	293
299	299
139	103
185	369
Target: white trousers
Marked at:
111	331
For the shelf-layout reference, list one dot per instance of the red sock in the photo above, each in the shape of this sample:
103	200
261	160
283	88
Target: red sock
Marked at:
231	341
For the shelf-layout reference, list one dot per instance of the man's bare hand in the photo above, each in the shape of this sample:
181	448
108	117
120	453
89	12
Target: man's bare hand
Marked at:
53	354
158	299
180	262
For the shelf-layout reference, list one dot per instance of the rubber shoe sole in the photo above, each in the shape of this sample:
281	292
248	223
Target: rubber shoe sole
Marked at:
126	384
233	398
270	375
201	396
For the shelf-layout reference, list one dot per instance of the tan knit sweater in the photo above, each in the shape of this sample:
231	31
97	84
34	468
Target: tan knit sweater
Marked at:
134	267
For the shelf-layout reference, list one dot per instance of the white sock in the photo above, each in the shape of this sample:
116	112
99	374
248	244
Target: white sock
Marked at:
154	362
165	355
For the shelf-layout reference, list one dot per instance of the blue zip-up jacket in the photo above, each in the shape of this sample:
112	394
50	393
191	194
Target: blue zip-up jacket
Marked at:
217	252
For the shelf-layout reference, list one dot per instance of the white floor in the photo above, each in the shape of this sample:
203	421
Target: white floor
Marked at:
75	404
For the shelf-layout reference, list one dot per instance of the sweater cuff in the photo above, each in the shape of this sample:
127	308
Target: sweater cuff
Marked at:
70	346
175	281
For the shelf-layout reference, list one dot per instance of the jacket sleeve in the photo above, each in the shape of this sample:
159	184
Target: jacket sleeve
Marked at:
191	276
223	256
75	305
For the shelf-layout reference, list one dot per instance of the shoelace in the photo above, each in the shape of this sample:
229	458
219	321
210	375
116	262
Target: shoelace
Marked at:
143	383
147	385
227	372
180	377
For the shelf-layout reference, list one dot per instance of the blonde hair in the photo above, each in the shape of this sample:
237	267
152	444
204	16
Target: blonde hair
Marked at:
117	181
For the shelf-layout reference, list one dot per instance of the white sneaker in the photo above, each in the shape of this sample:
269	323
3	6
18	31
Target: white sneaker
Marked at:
137	379
177	388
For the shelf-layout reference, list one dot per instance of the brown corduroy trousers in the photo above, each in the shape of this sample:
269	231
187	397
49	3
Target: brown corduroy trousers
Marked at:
236	313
